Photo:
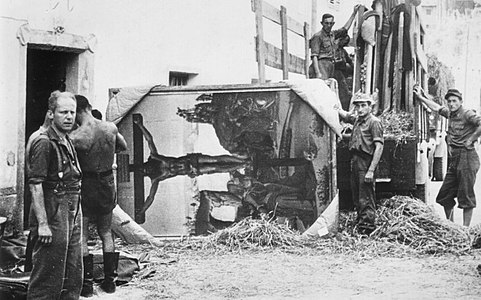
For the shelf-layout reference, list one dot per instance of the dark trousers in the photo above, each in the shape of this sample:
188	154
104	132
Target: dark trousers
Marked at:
463	164
363	194
57	268
345	94
326	68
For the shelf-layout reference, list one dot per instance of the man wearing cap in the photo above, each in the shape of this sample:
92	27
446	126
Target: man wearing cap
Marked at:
323	45
463	162
366	146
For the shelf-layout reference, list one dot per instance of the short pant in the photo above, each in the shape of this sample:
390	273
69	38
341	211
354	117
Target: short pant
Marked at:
98	195
463	164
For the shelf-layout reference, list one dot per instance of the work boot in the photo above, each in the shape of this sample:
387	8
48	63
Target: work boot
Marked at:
111	262
88	283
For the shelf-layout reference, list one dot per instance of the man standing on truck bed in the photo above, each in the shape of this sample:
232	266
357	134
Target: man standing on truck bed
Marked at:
366	146
463	161
323	46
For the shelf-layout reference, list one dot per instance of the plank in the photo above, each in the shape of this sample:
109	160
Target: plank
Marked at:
378	53
398	71
259	41
274	14
307	56
386	90
274	59
285	50
356	82
139	196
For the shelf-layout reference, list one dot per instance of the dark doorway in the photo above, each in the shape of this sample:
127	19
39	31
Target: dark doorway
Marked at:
46	72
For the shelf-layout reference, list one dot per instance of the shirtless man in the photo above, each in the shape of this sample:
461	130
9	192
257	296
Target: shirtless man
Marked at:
96	143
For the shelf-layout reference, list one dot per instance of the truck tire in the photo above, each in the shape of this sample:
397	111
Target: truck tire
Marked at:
438	172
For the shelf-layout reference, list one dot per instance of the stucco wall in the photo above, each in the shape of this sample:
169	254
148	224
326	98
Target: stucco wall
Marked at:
138	43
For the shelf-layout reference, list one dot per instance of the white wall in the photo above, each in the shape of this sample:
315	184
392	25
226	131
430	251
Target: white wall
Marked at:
138	43
10	86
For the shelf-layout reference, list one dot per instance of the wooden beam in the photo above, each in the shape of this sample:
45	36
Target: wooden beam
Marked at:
271	13
273	58
285	51
139	196
422	59
307	57
356	83
259	41
221	88
378	53
398	69
386	90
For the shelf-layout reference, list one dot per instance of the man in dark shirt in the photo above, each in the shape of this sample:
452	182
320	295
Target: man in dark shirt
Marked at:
366	146
323	45
55	216
463	162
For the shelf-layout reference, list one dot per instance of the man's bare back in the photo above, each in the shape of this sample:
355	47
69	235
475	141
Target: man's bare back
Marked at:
95	142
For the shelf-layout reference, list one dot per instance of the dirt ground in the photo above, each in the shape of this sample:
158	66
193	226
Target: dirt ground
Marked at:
182	273
303	274
181	270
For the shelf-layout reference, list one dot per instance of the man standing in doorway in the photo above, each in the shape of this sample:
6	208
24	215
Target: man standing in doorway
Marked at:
366	146
463	162
323	46
55	216
97	142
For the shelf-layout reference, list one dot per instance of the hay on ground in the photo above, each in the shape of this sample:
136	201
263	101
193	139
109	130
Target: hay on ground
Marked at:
404	226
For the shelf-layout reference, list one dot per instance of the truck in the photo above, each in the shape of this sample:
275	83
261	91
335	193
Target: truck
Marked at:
389	60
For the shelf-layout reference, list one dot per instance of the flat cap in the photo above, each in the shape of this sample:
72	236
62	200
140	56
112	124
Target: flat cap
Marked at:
454	92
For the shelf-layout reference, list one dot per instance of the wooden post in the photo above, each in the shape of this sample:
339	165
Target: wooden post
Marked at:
412	75
356	82
307	56
386	90
378	52
398	66
261	56
368	59
285	52
139	196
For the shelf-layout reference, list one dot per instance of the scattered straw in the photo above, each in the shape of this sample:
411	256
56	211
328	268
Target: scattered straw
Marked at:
411	222
405	226
250	233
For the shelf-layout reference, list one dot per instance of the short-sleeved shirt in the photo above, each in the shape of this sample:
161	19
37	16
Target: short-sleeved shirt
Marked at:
324	45
365	132
462	124
43	164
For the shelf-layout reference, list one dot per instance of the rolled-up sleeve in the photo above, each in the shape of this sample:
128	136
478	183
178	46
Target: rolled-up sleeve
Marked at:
377	132
38	161
444	111
473	117
315	45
